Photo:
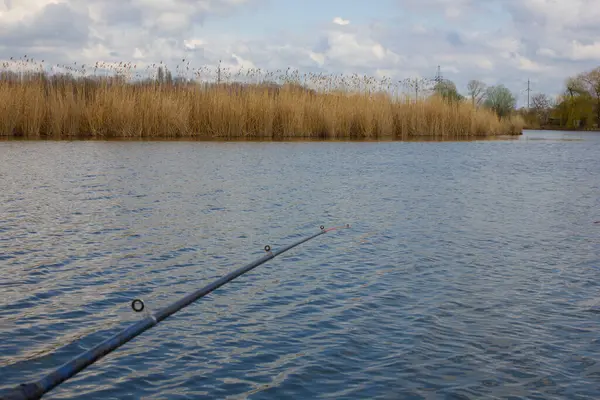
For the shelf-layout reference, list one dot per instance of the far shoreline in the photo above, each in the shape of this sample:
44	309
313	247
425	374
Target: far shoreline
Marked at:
559	129
424	138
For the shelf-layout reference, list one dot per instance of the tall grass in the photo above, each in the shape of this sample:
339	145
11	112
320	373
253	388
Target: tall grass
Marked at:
37	103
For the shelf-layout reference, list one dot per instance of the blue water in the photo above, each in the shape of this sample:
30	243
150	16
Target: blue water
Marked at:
471	269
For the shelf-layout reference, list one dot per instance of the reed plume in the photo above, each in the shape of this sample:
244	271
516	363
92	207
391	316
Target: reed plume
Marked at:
118	100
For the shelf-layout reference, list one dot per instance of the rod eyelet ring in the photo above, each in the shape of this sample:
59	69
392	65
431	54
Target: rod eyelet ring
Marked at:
322	227
267	248
137	305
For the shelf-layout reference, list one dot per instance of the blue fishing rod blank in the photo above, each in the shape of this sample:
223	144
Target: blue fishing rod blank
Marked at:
36	389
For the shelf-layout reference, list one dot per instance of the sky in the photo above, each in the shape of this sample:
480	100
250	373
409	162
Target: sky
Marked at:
496	41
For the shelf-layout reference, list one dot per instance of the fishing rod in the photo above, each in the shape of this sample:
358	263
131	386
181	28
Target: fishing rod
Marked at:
36	389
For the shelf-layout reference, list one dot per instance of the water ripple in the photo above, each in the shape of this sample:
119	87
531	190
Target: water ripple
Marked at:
471	270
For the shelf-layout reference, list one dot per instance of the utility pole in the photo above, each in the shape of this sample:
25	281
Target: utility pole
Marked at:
438	77
528	91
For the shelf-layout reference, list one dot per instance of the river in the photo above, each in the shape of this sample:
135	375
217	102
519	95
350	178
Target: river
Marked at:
471	269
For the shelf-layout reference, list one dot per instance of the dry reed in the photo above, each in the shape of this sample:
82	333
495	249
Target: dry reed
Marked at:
37	104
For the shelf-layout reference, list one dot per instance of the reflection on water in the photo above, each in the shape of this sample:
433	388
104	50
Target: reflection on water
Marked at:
471	269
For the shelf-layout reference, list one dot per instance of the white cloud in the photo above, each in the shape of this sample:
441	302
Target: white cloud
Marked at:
558	14
340	21
505	45
379	51
317	58
12	11
192	44
484	63
544	40
546	52
356	49
525	64
581	51
138	54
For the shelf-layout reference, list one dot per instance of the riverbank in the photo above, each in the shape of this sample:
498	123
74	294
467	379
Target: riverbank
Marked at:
40	106
563	129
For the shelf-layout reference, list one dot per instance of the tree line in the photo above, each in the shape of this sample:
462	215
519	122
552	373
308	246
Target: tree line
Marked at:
576	107
497	98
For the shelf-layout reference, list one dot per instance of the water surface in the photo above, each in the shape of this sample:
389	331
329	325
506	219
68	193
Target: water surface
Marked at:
471	270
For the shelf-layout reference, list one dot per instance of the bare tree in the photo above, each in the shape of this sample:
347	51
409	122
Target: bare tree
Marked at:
476	91
418	85
575	86
541	106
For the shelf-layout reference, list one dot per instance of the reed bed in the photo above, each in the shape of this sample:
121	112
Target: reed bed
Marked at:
38	103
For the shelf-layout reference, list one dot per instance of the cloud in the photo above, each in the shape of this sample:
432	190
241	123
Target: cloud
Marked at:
581	51
340	21
47	24
498	41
